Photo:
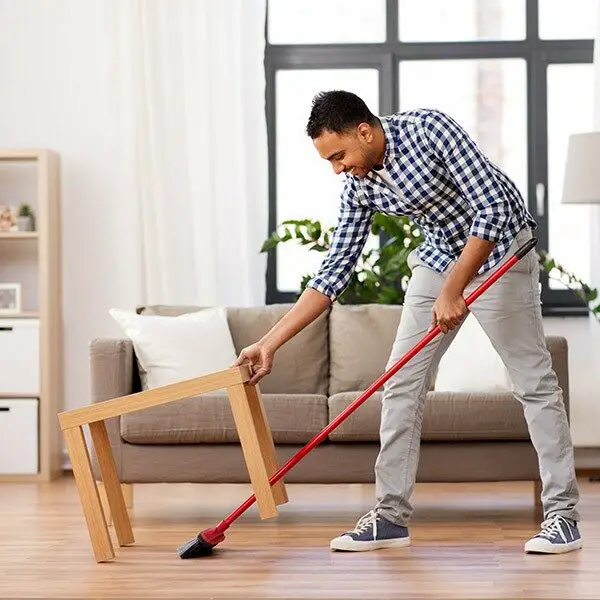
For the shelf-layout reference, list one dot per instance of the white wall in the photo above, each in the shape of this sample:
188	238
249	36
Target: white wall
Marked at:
54	94
583	337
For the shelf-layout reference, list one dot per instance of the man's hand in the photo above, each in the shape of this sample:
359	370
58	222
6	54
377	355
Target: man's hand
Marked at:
450	307
448	311
259	357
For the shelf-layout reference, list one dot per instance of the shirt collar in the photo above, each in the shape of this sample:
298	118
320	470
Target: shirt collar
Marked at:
392	140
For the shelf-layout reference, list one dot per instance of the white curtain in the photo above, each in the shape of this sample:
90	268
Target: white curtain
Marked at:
595	210
188	98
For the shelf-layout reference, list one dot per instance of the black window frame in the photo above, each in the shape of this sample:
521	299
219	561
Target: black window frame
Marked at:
386	56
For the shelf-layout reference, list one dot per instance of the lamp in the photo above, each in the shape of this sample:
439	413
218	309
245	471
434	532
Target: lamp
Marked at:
582	171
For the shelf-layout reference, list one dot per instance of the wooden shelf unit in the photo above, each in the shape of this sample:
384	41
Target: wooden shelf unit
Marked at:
19	235
47	238
29	314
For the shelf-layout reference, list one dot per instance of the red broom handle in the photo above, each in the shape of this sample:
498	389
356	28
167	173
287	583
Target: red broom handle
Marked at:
294	460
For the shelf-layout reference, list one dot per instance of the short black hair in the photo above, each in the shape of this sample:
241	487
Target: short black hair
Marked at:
337	111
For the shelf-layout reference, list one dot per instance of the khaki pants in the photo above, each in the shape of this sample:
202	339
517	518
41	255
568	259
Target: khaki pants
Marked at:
510	314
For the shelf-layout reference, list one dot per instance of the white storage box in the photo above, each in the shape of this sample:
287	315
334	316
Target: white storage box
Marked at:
19	436
20	356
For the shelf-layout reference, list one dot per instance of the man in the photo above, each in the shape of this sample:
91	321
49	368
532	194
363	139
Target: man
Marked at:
421	163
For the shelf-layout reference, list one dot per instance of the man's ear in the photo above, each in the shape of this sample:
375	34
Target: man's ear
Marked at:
365	131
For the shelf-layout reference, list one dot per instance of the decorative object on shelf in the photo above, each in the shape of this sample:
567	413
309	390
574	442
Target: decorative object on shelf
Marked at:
10	298
25	218
8	219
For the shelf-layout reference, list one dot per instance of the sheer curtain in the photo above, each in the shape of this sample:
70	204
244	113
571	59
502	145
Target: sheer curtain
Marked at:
595	210
188	81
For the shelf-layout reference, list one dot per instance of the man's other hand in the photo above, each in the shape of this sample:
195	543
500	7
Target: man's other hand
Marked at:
259	359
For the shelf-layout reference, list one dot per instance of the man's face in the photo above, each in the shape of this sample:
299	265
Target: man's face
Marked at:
351	152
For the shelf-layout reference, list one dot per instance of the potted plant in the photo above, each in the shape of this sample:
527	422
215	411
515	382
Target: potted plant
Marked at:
25	218
382	274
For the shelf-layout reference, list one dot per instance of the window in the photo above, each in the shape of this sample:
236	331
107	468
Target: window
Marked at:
461	20
570	110
490	102
515	73
307	187
578	21
325	22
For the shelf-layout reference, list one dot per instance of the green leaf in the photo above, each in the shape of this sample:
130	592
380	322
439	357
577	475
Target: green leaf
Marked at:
297	222
270	243
581	289
318	247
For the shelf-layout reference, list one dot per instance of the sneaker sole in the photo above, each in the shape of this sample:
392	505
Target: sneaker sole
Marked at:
542	547
347	544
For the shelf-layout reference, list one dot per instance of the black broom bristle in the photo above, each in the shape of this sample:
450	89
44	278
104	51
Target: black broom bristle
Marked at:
195	548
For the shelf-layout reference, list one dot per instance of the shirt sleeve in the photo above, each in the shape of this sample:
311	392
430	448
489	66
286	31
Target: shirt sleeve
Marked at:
348	241
471	172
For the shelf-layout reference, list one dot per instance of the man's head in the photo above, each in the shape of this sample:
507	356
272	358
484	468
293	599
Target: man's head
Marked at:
346	132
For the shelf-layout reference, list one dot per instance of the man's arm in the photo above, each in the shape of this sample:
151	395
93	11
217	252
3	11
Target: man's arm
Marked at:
334	274
259	356
475	179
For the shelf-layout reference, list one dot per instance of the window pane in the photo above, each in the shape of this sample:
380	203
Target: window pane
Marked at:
307	187
570	110
461	20
326	21
487	97
577	21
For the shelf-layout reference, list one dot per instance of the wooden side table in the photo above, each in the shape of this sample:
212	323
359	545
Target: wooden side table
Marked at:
252	427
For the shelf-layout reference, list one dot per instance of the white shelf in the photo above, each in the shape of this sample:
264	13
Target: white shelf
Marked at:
19	235
22	153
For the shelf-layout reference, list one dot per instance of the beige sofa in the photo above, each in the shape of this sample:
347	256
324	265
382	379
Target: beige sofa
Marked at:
466	437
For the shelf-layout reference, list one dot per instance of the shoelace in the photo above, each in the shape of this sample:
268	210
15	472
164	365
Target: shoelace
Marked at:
366	521
554	526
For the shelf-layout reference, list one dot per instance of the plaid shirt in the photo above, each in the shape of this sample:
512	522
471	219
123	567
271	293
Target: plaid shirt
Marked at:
449	189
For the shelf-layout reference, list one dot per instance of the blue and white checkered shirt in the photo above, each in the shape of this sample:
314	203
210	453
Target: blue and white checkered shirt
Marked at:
448	188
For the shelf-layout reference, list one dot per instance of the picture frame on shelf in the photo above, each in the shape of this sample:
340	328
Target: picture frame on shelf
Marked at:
8	218
10	298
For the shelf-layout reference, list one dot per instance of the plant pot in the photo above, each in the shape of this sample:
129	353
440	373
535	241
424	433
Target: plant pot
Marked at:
25	223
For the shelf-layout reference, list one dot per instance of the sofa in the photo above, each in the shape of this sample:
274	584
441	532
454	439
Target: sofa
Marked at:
466	437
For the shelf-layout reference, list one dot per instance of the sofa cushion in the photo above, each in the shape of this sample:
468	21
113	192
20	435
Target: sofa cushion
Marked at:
300	366
293	419
448	416
361	339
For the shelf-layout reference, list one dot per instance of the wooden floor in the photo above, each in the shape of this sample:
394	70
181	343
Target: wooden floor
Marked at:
467	543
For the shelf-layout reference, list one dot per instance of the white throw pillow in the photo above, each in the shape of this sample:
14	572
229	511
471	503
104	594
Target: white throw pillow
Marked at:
471	364
171	349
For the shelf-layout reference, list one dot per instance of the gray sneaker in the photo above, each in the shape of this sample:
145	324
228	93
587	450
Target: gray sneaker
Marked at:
372	532
558	535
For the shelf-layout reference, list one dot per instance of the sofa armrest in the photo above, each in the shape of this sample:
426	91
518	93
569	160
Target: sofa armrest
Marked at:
559	351
111	376
111	363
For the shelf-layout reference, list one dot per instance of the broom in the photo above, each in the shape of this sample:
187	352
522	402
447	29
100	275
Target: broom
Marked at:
205	541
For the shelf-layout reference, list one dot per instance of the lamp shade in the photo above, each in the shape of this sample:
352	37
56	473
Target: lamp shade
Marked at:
582	171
